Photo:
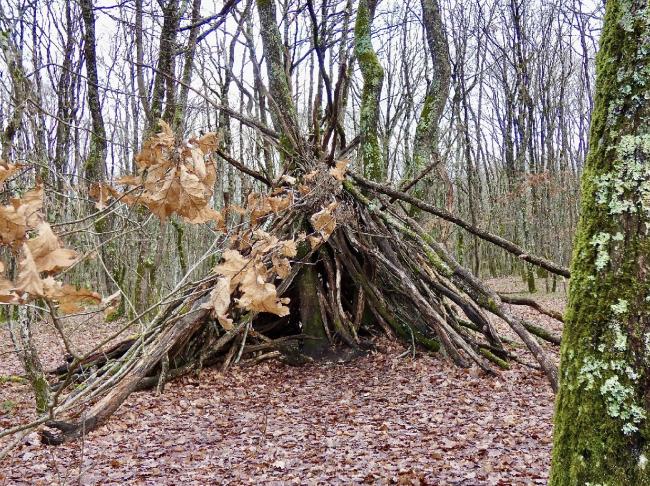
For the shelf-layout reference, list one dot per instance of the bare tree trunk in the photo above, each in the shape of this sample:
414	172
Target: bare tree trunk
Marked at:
188	66
20	87
425	144
164	89
21	336
94	168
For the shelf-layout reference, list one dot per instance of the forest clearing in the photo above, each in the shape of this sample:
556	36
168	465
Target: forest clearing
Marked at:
339	423
325	242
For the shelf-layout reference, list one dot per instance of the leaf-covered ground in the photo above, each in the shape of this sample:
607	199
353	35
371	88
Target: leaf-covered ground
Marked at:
382	419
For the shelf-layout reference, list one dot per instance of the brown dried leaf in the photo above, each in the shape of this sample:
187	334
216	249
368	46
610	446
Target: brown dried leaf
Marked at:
265	242
155	149
219	299
7	170
278	203
288	179
102	193
7	296
12	226
193	198
208	143
236	209
259	206
47	252
242	241
69	298
29	279
219	302
129	180
281	266
196	158
324	221
20	216
259	296
314	241
226	322
176	178
338	172
289	248
232	267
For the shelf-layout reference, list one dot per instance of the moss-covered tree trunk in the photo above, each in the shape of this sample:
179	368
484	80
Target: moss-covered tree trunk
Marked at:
94	166
373	78
601	423
21	336
310	313
425	144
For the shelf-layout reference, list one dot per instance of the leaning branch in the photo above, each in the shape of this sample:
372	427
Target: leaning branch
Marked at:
484	235
238	165
509	299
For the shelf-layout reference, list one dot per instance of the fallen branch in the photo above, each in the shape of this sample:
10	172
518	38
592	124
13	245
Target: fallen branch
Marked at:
483	234
509	299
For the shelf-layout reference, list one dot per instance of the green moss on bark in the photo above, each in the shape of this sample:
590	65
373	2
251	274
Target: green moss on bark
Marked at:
373	79
425	144
310	312
601	424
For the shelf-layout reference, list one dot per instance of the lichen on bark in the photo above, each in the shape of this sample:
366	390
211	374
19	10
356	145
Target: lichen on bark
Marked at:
601	423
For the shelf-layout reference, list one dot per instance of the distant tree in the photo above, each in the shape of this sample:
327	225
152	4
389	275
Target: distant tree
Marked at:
94	167
601	423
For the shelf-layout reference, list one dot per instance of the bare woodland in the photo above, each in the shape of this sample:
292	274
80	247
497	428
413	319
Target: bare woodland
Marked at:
243	181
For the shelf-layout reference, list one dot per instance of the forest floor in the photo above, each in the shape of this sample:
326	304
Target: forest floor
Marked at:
381	419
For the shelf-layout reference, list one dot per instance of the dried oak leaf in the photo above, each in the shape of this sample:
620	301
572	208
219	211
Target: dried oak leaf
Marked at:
155	148
102	193
129	180
29	278
236	209
288	179
310	176
260	296
232	267
259	206
324	221
207	143
338	172
21	215
47	252
7	170
265	242
7	296
194	196
219	302
289	248
69	298
278	203
281	266
176	178
314	241
6	292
